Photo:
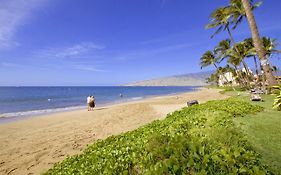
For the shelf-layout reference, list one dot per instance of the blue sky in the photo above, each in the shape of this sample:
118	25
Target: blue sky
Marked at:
112	42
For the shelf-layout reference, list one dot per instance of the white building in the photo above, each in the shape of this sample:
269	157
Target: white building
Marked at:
227	78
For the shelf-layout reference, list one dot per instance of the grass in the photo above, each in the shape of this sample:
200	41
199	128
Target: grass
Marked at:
264	132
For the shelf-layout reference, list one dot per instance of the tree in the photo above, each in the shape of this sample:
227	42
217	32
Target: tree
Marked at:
237	11
239	52
277	100
220	20
213	78
252	52
209	58
223	49
258	43
269	45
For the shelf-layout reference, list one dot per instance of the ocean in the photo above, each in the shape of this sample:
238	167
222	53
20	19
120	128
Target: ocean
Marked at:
20	102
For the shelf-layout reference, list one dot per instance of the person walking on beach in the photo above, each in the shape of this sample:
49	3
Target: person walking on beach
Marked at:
92	103
88	102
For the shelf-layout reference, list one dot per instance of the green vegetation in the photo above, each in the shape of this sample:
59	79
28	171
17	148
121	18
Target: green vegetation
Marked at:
263	132
277	100
229	57
201	139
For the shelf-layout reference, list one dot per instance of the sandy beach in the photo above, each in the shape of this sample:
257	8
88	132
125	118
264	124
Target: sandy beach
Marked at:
33	145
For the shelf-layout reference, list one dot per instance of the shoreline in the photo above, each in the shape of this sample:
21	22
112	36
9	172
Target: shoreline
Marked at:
23	115
34	145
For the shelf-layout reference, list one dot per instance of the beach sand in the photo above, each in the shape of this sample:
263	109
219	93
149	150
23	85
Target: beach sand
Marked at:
33	145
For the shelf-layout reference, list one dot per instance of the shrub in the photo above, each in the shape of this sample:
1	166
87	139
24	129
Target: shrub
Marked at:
201	139
277	100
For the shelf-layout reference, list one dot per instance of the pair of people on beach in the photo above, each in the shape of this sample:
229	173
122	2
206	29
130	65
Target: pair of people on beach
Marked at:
91	102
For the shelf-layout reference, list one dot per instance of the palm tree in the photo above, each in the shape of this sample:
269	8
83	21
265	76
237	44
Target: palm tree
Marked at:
240	51
251	52
269	45
238	12
220	20
223	49
213	78
209	58
258	43
223	17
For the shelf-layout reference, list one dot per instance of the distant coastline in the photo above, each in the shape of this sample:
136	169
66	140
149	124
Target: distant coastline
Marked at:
191	79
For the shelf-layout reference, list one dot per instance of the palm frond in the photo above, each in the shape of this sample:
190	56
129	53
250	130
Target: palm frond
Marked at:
217	31
237	22
256	5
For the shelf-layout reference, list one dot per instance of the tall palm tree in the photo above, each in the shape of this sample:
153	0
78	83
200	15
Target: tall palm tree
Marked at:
238	12
220	19
269	46
258	43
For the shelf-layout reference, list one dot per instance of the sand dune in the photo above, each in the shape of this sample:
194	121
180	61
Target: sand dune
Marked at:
33	145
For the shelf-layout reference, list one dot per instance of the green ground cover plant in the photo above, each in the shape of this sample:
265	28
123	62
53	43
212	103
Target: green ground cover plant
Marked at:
263	131
201	139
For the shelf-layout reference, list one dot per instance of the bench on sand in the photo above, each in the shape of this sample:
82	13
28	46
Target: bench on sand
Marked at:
192	102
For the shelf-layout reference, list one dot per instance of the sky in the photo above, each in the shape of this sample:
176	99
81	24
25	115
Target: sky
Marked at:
112	42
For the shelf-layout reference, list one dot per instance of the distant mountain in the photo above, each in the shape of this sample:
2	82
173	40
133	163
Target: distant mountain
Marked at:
191	79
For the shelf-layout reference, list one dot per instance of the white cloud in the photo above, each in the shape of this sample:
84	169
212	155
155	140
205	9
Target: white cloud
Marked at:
13	14
79	49
76	50
87	68
10	65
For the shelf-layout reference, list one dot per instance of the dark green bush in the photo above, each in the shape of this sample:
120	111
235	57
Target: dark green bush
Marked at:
201	139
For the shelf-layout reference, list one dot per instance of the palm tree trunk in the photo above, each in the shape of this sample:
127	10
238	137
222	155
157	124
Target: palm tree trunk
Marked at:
246	67
258	43
263	78
256	66
230	36
239	75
